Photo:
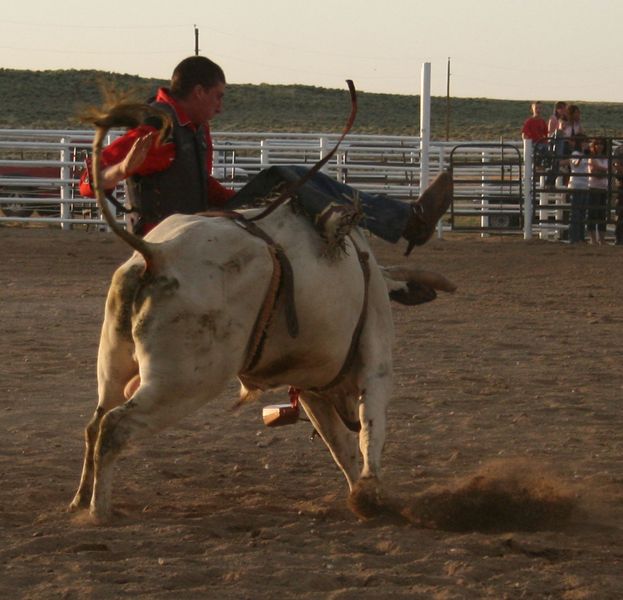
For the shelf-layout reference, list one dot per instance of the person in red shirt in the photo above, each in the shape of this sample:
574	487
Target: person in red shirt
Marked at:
535	127
175	176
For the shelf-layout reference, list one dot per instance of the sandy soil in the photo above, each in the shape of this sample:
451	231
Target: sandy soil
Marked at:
522	364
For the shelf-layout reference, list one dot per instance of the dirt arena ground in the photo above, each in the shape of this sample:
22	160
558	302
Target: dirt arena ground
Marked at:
515	378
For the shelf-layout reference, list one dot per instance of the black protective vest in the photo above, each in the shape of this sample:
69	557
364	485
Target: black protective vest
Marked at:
181	188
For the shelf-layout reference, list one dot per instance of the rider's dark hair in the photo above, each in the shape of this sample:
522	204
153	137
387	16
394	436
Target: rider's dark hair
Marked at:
192	71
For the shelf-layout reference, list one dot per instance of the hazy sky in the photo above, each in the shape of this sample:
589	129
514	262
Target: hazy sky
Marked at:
517	49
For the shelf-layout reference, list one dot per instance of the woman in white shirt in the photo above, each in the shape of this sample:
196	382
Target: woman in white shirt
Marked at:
555	134
598	190
572	126
559	115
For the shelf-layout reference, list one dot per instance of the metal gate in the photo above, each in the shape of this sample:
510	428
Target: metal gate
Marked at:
488	188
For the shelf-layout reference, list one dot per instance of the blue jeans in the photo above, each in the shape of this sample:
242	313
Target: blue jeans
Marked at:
383	215
559	147
597	209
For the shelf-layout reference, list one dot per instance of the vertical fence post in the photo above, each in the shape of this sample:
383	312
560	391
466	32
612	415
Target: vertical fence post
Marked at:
340	167
324	150
264	154
111	207
64	186
424	126
543	200
442	161
527	189
484	199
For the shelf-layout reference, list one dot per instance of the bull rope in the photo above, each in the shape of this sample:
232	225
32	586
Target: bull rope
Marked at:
281	285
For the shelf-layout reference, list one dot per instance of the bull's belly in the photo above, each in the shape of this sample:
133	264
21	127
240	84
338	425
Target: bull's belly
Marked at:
298	368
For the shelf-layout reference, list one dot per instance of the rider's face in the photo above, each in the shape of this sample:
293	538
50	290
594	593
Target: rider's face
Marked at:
206	102
212	100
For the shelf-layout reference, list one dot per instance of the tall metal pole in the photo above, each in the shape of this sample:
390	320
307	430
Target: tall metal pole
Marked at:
527	189
196	40
448	102
424	126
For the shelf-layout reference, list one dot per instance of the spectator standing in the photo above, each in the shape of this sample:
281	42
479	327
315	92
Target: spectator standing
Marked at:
617	167
578	186
598	190
572	125
558	116
568	128
535	129
555	126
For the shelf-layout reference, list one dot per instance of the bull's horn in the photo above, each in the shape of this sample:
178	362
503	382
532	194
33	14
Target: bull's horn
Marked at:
429	278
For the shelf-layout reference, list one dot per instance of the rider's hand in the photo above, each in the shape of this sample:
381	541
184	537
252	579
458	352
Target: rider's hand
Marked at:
137	154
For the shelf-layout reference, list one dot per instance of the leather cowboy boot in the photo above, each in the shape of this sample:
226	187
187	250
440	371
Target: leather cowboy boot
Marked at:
427	210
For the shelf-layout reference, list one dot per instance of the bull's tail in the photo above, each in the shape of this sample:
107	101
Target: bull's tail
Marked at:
122	115
414	286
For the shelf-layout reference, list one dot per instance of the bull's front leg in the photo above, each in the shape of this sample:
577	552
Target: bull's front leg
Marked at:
342	442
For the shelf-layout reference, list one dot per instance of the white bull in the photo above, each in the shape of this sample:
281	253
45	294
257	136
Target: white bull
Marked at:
181	313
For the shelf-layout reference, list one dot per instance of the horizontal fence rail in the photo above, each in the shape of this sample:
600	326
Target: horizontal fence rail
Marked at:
39	177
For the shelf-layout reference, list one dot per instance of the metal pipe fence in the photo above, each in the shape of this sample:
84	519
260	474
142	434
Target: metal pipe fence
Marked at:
40	169
495	188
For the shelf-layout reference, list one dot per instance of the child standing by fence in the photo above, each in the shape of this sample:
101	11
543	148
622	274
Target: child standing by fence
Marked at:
578	183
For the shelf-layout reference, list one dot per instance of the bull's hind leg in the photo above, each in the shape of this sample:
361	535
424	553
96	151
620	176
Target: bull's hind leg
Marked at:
115	368
115	430
153	407
341	441
85	488
144	413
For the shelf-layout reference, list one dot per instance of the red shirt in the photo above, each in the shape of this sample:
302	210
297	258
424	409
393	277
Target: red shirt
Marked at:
535	129
160	156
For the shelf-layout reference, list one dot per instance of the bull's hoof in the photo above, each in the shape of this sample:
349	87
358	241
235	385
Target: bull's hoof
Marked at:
80	501
365	499
99	516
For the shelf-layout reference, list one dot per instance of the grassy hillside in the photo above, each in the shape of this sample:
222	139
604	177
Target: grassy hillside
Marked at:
54	99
